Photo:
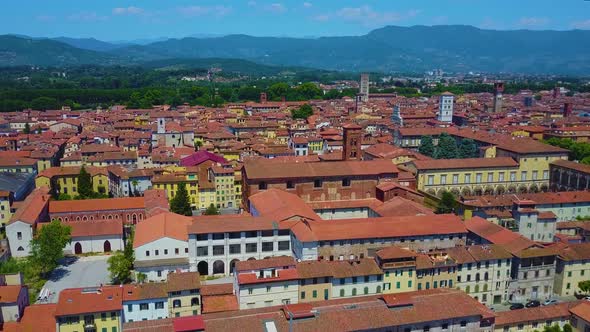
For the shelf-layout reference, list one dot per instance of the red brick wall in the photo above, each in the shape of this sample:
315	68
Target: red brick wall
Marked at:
125	215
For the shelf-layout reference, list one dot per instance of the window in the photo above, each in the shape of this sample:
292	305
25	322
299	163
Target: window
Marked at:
235	235
354	292
366	290
113	315
176	251
523	176
445	326
235	249
130	307
250	291
262	186
478	177
268	289
317	183
290	185
314	294
218	250
512	176
501	177
160	305
267	246
143	306
194	301
426	328
176	304
467	178
443	179
342	293
455	178
251	247
284	245
218	236
103	316
19	235
398	285
165	251
303	295
430	179
346	182
202	251
490	177
409	283
463	323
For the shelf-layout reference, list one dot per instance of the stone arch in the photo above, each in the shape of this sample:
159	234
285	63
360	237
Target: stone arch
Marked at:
511	189
489	190
134	218
107	246
478	191
85	218
522	189
65	218
232	265
466	191
500	190
110	217
203	268
534	188
59	219
251	259
218	267
78	218
455	192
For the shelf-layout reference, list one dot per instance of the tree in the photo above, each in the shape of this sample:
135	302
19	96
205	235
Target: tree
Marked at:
44	103
446	204
278	90
467	149
447	147
584	286
180	203
303	112
142	276
307	91
47	247
211	210
567	328
134	183
120	268
426	146
84	184
27	129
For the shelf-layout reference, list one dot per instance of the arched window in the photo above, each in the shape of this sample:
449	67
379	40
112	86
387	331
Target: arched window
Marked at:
486	276
176	304
477	277
342	293
354	292
477	288
485	287
366	290
467	289
194	301
20	249
378	289
78	218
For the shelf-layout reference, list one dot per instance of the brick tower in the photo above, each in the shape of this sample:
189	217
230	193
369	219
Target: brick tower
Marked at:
351	148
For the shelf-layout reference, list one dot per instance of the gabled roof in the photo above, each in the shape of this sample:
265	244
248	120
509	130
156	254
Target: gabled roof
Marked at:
280	205
76	301
166	224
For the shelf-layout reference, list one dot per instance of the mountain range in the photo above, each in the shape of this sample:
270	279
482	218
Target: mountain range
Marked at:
454	48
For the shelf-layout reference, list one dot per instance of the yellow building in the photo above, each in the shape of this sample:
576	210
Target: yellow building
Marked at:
315	145
223	177
573	266
169	182
435	270
184	297
64	180
315	281
5	213
90	309
477	176
399	269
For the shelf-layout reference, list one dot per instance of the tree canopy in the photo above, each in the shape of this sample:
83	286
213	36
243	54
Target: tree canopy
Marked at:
427	146
446	204
447	147
180	203
211	210
303	112
48	244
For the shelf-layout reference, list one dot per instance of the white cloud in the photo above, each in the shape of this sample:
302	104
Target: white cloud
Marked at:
276	8
87	17
533	21
131	10
205	10
584	25
367	16
307	4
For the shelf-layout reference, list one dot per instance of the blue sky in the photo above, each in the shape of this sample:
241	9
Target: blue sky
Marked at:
125	20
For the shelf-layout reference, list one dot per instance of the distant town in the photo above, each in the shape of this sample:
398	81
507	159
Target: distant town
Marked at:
343	205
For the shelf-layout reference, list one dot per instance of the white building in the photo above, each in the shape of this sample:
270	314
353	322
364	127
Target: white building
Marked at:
483	272
217	243
161	246
96	236
22	225
445	107
266	283
532	224
145	302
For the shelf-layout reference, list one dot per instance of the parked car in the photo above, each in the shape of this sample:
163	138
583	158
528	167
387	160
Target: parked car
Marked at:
532	304
550	302
516	306
587	298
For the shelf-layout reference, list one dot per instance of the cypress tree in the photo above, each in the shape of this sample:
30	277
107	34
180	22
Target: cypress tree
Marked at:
181	204
84	184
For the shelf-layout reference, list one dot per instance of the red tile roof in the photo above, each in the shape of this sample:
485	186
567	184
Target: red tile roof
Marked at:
95	227
9	294
437	164
105	204
280	205
189	323
76	301
281	275
166	224
36	317
32	207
